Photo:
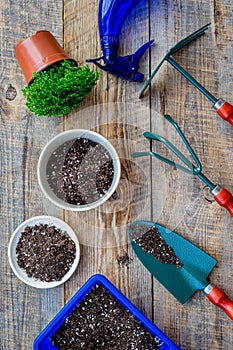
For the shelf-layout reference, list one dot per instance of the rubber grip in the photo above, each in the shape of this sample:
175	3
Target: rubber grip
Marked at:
219	298
226	112
225	199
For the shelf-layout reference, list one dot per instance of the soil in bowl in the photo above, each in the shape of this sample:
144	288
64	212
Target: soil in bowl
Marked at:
45	252
101	322
80	171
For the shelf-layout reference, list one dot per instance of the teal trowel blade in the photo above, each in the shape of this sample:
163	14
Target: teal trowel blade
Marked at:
181	282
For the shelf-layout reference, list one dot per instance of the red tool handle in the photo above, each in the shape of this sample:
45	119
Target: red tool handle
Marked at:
224	198
219	298
225	110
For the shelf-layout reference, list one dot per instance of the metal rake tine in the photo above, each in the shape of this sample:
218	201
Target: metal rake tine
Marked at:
174	49
192	169
188	39
171	147
163	159
185	141
221	195
151	77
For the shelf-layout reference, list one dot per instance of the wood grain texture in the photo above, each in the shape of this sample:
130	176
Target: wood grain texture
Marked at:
114	115
197	324
148	189
24	311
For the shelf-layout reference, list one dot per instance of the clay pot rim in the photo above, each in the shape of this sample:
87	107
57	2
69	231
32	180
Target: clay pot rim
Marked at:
38	52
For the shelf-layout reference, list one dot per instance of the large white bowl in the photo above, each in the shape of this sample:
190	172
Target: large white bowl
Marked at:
57	141
21	273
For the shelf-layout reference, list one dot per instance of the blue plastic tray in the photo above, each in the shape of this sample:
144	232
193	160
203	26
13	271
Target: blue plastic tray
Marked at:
42	342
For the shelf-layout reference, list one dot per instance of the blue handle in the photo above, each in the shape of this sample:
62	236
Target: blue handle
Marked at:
112	15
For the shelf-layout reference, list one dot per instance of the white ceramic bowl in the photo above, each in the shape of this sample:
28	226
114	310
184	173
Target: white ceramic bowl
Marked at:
57	141
21	273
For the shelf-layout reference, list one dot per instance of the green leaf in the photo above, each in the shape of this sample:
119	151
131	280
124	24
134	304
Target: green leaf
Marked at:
60	89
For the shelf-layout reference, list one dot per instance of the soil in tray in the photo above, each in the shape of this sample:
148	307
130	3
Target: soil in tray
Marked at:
101	322
45	252
80	171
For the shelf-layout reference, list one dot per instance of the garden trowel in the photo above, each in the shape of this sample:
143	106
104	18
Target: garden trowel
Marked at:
185	279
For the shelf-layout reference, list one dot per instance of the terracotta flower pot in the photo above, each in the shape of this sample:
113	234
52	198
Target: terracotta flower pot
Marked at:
38	52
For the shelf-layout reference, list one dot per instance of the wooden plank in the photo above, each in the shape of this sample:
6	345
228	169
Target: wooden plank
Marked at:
113	110
148	189
186	204
24	310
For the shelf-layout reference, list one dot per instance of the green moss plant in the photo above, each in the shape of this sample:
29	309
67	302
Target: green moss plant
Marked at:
59	89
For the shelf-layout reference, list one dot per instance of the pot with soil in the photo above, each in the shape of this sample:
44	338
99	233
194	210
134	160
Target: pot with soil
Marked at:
56	84
43	252
99	316
78	170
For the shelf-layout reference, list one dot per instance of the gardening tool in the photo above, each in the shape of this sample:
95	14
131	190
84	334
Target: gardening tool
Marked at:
222	196
111	17
223	108
183	281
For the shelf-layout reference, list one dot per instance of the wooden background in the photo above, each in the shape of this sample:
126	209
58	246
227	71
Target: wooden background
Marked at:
147	190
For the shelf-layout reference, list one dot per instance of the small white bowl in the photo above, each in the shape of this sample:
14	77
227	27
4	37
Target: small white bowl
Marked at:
57	141
21	273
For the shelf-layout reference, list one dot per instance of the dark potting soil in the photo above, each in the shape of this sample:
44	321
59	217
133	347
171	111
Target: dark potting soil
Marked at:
45	252
80	171
152	242
124	260
101	322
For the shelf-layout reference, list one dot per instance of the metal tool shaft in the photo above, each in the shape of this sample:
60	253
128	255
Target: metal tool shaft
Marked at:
192	80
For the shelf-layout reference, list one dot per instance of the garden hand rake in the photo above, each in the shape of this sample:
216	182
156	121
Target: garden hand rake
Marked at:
222	196
223	108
